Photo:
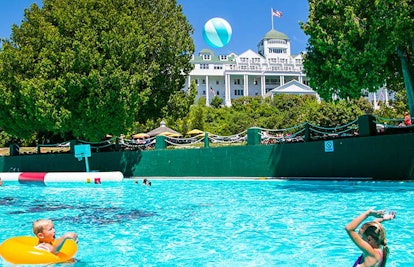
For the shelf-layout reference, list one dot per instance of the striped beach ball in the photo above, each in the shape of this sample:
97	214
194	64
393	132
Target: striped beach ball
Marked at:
217	32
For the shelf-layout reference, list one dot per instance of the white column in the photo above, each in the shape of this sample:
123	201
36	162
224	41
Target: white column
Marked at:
263	84
386	96
207	93
245	85
227	90
375	100
282	80
188	82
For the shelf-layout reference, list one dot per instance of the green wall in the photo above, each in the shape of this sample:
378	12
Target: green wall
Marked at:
380	157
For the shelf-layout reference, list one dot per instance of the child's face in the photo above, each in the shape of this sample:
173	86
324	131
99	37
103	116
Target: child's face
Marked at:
48	233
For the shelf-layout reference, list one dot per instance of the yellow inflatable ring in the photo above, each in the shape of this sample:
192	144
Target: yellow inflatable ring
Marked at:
21	250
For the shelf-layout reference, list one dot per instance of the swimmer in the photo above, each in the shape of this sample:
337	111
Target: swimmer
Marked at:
370	239
45	231
146	182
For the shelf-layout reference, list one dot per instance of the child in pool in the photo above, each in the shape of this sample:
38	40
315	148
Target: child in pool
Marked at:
45	231
370	238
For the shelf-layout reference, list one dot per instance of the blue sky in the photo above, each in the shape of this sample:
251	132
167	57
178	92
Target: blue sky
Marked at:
250	20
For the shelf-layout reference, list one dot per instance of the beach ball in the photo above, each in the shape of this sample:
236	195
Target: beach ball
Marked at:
217	32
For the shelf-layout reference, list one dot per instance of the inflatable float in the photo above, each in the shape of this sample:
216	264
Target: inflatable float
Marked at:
56	177
21	250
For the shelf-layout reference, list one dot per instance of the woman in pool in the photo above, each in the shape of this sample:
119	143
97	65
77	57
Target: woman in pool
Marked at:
370	238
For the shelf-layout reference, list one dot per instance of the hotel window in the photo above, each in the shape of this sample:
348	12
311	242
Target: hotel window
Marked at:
238	92
237	81
272	81
204	66
203	82
206	57
244	60
277	50
223	57
272	60
277	41
217	82
218	67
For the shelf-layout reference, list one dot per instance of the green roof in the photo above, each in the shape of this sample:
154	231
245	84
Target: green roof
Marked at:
213	60
273	34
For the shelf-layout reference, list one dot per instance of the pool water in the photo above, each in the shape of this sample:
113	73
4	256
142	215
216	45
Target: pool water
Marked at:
212	222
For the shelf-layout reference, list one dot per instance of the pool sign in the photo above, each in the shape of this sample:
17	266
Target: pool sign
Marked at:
329	146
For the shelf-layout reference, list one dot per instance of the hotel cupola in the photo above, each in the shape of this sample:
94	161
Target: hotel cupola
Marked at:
274	44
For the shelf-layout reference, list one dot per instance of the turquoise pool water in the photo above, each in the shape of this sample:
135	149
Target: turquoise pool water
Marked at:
213	222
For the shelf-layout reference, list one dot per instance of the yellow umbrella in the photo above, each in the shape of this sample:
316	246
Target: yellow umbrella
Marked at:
175	135
165	133
195	132
162	130
141	135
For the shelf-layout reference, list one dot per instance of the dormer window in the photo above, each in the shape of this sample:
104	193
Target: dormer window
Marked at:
206	57
244	60
204	66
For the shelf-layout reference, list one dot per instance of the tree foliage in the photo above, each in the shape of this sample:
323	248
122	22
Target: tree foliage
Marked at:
283	111
359	44
85	68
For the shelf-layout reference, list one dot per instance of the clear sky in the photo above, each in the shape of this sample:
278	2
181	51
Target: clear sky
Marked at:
250	20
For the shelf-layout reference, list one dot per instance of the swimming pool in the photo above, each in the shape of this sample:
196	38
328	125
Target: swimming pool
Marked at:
212	222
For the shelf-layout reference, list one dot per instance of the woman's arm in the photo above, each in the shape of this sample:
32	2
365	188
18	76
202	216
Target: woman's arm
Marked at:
357	239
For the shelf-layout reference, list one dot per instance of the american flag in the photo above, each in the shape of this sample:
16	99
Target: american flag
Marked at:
212	91
277	13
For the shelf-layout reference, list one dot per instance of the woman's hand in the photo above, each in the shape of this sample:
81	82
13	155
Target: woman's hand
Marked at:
376	213
389	216
382	215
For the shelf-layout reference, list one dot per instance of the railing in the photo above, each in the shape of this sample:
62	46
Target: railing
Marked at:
366	125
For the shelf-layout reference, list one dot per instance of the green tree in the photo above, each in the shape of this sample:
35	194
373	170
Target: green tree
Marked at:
359	44
179	103
216	101
197	117
85	68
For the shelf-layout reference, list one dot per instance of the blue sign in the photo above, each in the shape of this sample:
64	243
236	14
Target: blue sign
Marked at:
329	146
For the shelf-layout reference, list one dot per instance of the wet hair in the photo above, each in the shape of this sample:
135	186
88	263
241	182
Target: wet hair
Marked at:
39	225
377	232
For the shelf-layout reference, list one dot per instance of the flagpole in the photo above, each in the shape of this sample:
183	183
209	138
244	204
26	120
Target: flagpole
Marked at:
271	15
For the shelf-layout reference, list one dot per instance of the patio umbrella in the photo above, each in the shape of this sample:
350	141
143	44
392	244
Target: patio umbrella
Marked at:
170	134
175	135
195	132
162	129
140	135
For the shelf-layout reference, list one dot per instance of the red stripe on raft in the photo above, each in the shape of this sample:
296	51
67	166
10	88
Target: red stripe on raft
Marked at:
32	177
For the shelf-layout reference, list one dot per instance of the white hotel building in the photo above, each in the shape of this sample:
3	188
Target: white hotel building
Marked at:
271	70
250	73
